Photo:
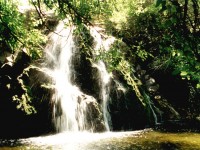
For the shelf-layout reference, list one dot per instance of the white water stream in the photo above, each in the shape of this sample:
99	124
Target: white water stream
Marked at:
105	77
59	52
69	114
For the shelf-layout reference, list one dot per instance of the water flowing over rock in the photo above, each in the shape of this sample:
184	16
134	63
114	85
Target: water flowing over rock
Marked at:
72	109
92	115
104	76
104	92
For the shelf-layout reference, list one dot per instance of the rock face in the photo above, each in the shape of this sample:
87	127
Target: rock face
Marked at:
125	109
85	75
14	121
93	116
166	110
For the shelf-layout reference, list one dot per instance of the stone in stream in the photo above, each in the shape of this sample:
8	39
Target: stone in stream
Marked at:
93	115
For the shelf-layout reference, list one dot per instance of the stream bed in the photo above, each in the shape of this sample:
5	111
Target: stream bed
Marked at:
147	139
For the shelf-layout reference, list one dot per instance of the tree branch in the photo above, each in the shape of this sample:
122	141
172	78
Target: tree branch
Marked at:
38	9
77	14
11	32
196	14
185	12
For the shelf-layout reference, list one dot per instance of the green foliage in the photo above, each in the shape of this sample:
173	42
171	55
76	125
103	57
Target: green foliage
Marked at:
17	31
23	103
50	3
115	58
11	26
165	36
80	11
24	100
180	43
84	40
126	70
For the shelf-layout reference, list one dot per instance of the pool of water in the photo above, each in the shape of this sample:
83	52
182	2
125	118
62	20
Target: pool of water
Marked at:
135	140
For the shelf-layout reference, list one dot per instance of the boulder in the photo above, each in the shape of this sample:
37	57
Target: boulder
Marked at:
89	115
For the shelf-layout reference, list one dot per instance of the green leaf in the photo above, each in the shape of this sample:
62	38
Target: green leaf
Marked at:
175	72
183	73
158	2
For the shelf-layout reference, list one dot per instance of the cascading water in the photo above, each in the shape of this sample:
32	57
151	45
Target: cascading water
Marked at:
104	93
105	77
72	109
59	52
70	105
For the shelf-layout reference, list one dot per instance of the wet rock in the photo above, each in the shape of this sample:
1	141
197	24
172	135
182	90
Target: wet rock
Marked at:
169	112
157	97
88	111
141	73
146	77
150	81
153	89
180	125
198	118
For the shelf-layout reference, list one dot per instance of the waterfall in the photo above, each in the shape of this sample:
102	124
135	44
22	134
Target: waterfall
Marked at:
65	96
105	77
73	110
104	93
58	60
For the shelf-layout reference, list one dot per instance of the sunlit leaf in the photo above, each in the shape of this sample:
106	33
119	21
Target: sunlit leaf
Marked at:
183	73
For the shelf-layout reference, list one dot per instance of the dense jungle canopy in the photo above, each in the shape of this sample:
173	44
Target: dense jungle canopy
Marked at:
162	36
